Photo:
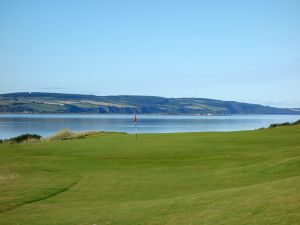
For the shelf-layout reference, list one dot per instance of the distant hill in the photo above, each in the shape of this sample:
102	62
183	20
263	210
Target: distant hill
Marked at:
39	102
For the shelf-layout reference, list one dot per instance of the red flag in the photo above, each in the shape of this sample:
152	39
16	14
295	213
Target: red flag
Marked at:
134	120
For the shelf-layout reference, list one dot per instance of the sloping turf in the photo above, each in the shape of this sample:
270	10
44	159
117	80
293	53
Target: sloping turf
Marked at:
236	178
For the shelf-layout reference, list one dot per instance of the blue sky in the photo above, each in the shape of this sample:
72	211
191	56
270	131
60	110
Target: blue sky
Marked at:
230	50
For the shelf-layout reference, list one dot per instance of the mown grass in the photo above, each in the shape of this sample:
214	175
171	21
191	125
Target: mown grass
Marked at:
249	177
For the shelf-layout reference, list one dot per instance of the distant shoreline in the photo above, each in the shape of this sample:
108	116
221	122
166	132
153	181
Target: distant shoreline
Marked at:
41	103
145	114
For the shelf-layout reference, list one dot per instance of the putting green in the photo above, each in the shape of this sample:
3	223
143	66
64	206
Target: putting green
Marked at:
234	178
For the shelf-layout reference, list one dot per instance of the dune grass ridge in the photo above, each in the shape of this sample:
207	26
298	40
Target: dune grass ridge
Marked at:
285	124
66	134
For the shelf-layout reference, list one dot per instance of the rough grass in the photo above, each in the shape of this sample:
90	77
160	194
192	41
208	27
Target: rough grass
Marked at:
66	134
233	178
284	124
22	138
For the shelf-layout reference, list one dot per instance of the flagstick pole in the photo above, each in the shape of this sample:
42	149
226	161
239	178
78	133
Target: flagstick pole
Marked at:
135	132
135	127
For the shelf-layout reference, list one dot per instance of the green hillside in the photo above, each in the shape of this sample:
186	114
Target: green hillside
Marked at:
37	102
233	178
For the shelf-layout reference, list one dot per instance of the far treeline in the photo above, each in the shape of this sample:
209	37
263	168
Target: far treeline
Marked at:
39	102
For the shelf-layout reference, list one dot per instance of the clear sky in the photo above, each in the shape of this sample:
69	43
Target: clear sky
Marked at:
230	50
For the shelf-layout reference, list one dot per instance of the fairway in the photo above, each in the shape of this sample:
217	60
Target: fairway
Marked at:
228	178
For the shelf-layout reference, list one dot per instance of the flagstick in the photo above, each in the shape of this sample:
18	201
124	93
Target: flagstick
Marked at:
135	132
135	127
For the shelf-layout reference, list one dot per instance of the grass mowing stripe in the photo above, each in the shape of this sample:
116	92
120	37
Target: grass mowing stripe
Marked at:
57	192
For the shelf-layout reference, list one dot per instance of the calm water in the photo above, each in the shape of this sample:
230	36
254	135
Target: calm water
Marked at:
45	125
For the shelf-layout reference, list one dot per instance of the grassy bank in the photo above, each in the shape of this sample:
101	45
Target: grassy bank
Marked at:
249	177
